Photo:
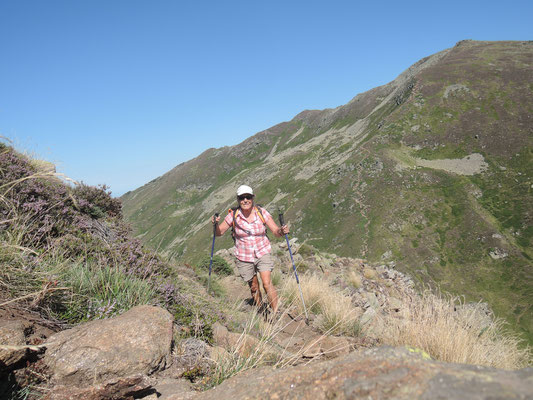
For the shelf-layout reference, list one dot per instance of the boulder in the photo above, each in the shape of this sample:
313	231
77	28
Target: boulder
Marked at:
136	342
119	388
377	373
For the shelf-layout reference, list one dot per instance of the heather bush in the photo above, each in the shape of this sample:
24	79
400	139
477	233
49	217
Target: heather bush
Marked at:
97	201
50	231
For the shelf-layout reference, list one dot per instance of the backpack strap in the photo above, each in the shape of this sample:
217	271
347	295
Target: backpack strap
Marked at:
234	211
258	211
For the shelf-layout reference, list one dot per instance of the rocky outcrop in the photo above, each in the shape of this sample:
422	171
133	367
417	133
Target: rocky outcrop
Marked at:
136	342
378	373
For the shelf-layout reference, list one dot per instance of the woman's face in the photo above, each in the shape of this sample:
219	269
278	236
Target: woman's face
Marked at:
246	202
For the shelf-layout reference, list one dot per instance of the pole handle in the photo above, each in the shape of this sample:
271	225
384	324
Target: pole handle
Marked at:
281	220
215	225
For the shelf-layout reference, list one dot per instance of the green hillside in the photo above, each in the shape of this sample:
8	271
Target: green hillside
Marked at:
432	171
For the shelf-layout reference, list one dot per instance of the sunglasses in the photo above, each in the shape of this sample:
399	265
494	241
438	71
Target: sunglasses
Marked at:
245	197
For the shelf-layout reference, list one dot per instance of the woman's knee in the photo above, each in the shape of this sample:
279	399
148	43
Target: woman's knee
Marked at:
267	284
254	284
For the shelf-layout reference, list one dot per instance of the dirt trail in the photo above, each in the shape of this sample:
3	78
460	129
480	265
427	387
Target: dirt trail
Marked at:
292	335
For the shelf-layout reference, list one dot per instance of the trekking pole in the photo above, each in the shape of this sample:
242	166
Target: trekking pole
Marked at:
294	268
212	248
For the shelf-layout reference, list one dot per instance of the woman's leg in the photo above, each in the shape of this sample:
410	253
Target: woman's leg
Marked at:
254	289
270	290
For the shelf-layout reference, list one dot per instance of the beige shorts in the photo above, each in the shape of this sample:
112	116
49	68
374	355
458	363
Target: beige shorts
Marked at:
247	270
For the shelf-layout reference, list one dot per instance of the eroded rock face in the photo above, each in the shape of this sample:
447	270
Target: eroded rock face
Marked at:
378	373
136	342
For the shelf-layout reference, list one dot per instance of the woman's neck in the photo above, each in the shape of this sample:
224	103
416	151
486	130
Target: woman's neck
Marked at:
248	212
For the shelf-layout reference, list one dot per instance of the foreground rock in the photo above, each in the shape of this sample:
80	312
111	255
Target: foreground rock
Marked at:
378	373
121	388
11	341
136	342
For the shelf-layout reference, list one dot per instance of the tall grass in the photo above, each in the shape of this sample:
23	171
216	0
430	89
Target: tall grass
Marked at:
100	291
247	353
334	310
431	323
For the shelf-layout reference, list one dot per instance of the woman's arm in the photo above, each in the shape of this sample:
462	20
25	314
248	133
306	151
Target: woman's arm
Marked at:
276	230
221	228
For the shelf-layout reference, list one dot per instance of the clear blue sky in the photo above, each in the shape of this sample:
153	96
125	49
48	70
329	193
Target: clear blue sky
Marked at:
121	91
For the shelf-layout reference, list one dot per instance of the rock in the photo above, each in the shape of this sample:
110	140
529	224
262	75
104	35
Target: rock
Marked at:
368	315
335	346
136	342
243	343
174	389
377	373
118	388
395	304
11	334
498	254
372	300
386	255
218	353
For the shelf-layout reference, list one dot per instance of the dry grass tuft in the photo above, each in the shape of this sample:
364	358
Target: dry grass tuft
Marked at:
369	273
335	311
431	323
354	279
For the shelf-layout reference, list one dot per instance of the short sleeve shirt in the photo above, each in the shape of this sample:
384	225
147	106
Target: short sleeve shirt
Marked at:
251	241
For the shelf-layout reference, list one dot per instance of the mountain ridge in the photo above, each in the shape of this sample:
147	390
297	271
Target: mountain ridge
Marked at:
361	179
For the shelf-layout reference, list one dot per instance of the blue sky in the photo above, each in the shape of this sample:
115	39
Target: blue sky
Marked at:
119	92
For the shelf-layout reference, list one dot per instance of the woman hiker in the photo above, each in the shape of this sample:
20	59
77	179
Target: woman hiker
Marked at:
252	247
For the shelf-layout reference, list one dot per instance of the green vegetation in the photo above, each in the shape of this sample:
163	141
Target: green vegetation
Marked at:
219	266
67	252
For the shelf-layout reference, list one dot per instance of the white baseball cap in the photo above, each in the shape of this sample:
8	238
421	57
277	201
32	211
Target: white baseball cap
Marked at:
243	189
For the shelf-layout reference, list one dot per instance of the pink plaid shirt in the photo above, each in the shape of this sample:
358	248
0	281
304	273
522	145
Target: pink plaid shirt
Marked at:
250	237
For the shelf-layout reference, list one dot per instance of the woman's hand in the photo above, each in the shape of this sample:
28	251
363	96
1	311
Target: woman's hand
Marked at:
284	230
215	220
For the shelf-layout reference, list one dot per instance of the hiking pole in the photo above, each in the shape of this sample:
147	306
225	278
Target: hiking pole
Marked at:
294	268
212	248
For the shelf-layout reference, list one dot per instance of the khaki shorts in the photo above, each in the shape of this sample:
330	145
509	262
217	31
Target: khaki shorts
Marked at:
247	270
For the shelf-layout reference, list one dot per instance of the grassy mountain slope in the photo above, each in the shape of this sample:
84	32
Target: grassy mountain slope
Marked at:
433	171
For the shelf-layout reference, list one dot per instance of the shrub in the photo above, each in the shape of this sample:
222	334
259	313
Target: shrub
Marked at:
220	266
306	250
